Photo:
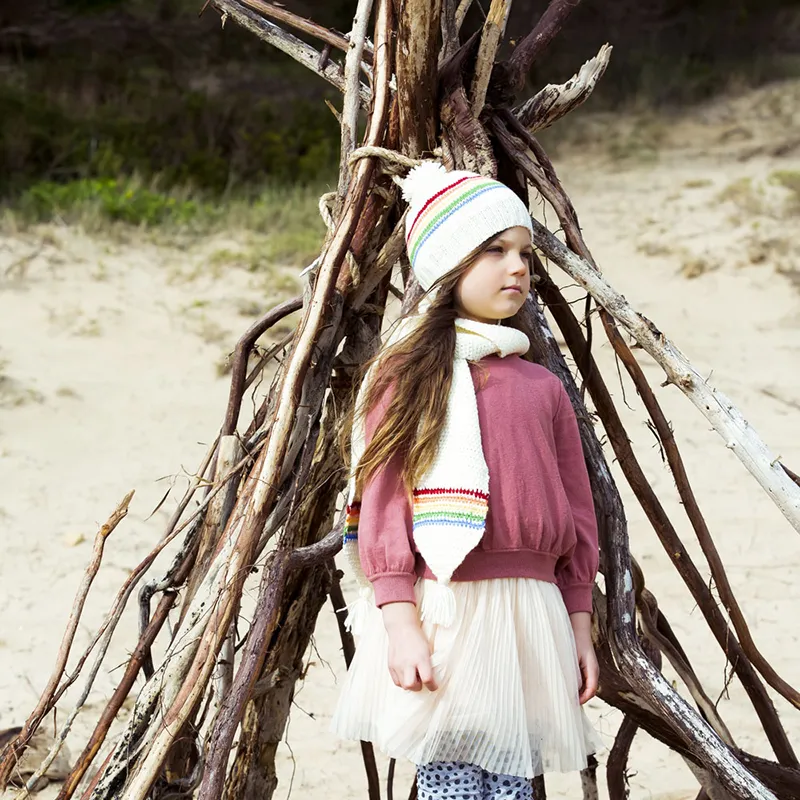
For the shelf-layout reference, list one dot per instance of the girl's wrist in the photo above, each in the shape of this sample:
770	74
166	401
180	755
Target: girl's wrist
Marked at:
399	615
581	621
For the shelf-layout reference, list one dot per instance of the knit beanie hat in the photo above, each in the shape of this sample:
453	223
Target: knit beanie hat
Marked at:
450	214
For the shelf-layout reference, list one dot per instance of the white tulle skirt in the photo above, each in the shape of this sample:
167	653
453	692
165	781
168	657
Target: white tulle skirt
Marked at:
508	680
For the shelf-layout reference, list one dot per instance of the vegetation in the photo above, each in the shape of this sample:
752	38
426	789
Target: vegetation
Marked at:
173	122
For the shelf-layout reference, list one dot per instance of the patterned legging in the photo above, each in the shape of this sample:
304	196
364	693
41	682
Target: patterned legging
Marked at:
456	780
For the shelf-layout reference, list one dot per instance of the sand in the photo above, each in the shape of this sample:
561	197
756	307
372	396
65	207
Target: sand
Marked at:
109	354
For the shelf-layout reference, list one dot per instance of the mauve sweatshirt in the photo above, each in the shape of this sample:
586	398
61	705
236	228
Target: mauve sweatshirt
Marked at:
541	522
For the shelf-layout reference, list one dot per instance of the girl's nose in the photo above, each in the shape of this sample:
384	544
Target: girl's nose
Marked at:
519	264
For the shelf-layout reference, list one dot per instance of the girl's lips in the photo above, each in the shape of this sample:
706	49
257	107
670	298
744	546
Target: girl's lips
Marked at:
516	289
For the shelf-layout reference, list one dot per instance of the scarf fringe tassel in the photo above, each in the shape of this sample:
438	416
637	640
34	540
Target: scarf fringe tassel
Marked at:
359	611
438	604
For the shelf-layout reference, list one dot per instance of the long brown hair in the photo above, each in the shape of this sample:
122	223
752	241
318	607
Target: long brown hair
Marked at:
419	371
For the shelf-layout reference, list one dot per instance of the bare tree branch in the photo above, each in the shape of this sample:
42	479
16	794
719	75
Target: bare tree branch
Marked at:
556	100
289	44
538	40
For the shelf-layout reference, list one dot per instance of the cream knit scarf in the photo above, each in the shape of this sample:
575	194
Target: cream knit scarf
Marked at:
451	501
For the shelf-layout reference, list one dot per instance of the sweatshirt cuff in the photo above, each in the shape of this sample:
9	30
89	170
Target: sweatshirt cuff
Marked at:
394	587
577	597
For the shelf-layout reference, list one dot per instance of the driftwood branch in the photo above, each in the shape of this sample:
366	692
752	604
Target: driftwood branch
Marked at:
620	442
280	14
16	746
349	119
719	410
241	354
493	29
554	101
301	52
617	764
538	40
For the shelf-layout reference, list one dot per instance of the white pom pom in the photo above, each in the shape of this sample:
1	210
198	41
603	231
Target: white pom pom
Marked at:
423	181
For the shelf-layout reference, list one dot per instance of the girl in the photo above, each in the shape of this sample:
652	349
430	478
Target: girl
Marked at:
470	519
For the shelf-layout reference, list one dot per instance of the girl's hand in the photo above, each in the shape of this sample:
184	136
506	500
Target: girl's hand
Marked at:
587	660
409	653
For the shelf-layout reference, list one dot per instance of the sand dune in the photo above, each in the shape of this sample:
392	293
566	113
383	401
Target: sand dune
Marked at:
109	382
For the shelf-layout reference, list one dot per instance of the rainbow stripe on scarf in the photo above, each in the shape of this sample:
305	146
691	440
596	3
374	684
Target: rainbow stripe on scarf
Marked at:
351	519
466	508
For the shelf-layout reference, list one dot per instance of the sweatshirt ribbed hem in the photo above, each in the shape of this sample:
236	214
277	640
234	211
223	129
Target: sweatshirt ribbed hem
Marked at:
577	597
484	564
394	587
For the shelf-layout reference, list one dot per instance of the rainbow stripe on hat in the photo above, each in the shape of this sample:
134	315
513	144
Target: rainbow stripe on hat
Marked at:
440	207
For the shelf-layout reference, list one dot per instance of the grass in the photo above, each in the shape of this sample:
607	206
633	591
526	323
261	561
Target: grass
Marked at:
789	180
285	220
744	195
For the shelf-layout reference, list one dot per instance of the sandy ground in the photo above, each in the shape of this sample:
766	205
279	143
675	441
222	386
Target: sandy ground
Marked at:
109	358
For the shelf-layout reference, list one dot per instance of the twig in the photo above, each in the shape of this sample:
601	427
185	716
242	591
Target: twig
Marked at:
241	354
649	617
319	552
16	747
349	117
617	764
308	56
330	37
112	707
266	357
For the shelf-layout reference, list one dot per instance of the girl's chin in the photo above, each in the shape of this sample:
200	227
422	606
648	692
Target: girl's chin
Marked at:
504	309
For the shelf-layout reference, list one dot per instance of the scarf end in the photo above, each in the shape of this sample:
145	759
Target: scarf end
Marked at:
359	611
438	605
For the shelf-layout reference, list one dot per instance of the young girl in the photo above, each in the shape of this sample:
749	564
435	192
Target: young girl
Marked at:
470	519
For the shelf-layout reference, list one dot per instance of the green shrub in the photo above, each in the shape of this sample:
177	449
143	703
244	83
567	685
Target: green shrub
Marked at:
112	199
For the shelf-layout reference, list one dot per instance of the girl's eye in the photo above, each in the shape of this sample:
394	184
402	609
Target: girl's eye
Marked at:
495	249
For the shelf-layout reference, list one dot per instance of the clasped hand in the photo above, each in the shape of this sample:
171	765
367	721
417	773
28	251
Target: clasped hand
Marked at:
410	662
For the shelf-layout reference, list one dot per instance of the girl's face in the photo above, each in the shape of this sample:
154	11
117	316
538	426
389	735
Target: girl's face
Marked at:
497	284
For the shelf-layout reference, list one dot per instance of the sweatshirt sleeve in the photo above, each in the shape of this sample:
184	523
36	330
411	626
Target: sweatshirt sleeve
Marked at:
385	526
575	572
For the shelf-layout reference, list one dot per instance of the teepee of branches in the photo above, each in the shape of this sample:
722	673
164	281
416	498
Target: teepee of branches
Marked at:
268	488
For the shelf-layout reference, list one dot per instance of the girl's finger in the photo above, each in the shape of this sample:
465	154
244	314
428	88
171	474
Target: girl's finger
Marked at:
592	681
395	678
582	698
589	682
410	678
425	670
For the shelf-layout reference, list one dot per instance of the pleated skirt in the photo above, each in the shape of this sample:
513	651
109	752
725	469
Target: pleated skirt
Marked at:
508	680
